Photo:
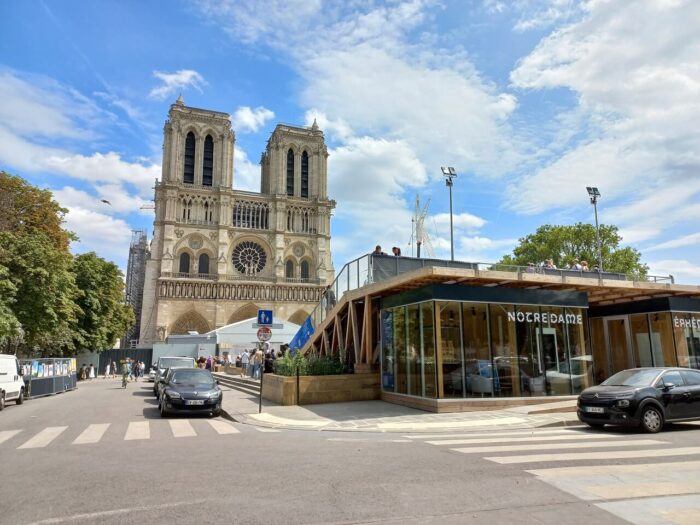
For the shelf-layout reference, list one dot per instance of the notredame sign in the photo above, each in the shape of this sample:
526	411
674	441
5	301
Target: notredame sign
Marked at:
544	317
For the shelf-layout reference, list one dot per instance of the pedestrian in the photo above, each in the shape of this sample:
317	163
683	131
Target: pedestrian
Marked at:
378	250
245	358
396	251
83	373
257	364
107	370
91	372
114	369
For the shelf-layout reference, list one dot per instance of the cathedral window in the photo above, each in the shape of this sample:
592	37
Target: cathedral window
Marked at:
184	262
290	172
204	263
253	215
289	270
190	145
208	161
304	174
304	269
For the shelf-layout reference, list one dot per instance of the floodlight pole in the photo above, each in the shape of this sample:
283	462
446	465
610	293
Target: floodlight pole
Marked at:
449	174
594	200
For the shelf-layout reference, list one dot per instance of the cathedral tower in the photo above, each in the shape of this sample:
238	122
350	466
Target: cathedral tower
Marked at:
219	254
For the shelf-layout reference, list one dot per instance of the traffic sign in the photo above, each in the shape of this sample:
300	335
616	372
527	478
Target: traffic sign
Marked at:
264	334
264	317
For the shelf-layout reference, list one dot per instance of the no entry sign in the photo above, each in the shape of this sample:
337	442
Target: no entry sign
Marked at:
264	334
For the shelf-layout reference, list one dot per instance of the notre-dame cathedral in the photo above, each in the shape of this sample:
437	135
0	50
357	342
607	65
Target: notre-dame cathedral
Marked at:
219	254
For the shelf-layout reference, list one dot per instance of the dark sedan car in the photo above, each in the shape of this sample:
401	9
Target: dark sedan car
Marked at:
192	391
644	397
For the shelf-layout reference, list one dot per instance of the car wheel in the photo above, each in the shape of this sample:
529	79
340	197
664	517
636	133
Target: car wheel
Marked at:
2	400
652	420
163	410
20	399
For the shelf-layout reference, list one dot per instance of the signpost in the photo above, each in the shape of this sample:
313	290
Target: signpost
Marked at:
264	326
264	334
264	317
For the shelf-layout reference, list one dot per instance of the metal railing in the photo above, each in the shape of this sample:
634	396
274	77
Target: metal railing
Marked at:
369	269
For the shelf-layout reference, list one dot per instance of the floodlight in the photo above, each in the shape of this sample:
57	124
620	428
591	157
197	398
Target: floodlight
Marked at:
448	171
592	191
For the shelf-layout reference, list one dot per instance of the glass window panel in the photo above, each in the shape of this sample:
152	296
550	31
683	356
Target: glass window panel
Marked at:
413	347
529	359
580	358
618	344
505	356
662	339
451	349
694	341
680	336
388	353
428	337
601	365
554	351
400	349
641	345
477	357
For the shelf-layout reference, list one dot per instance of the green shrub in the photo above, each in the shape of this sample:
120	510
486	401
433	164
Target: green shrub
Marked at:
312	365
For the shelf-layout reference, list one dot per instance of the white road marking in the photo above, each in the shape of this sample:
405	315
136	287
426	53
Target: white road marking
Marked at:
8	434
93	516
576	456
599	470
222	427
92	434
264	429
137	430
521	439
559	446
181	428
496	434
645	490
454	424
44	437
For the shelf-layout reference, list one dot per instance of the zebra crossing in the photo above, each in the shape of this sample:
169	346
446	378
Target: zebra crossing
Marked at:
134	431
638	478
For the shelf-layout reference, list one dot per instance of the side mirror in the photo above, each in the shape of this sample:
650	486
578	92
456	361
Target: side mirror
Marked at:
669	386
217	382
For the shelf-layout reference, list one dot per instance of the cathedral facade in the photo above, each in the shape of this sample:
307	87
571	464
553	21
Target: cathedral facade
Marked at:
220	254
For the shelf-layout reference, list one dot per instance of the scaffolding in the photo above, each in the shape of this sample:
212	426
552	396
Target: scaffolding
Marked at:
135	278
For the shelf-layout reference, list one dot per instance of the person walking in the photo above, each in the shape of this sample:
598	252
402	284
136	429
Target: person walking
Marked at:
107	370
257	363
245	358
114	369
91	372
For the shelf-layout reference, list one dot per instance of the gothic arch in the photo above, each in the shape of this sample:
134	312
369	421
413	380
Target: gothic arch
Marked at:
246	311
298	317
190	321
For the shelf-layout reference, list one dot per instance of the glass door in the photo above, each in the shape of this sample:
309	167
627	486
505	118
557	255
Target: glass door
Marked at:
617	333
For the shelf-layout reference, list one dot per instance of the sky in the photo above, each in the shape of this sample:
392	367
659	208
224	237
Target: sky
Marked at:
529	100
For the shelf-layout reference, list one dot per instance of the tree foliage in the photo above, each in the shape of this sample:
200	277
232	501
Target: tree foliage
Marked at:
567	244
51	303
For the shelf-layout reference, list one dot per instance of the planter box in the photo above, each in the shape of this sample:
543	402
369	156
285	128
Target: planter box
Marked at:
321	389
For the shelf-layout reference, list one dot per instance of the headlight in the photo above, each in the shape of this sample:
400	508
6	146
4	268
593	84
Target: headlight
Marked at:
622	403
172	394
214	395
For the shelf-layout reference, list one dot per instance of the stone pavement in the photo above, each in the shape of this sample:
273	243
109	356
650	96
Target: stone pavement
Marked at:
379	416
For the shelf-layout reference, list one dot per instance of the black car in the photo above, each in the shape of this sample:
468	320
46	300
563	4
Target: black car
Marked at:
644	397
190	390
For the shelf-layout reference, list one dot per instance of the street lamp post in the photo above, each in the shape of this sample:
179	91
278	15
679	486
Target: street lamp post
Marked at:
593	193
449	173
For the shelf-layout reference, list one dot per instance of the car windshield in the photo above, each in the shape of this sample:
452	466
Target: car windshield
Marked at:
192	377
176	362
632	378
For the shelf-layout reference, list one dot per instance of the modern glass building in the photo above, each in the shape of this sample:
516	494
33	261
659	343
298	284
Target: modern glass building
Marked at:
451	342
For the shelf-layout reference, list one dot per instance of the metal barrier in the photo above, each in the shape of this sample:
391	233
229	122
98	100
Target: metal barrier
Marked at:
43	377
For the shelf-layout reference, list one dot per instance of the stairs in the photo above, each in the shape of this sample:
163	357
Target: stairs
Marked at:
242	384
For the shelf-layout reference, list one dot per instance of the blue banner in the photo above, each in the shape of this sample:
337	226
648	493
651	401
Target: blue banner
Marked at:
305	331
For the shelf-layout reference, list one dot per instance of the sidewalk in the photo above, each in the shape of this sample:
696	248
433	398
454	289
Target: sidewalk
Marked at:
379	416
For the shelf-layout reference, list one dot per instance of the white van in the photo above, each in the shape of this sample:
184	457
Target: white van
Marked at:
11	380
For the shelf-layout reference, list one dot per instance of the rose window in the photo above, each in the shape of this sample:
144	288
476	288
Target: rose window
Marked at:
249	258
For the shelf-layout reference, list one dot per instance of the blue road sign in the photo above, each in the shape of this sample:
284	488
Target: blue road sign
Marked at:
264	317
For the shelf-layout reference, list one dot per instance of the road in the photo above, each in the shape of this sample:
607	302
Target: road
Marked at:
102	454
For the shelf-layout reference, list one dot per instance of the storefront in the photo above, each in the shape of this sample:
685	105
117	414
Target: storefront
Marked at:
456	342
656	332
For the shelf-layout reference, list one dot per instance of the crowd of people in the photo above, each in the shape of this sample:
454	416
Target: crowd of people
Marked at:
253	362
548	264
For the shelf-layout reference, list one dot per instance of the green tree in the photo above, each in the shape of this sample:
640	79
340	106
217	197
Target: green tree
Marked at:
566	244
104	317
9	325
45	291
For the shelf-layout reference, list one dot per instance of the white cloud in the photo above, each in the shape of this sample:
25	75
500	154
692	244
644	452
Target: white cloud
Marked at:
246	175
460	221
635	71
177	81
246	119
687	240
537	14
105	235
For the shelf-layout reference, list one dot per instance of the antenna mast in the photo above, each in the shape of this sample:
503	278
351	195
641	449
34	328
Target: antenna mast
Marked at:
421	236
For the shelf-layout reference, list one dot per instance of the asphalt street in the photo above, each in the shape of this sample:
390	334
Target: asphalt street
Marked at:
103	454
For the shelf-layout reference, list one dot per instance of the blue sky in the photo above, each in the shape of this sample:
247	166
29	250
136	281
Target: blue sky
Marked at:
531	101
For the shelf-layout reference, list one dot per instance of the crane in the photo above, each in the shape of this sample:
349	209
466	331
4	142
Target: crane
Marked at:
418	233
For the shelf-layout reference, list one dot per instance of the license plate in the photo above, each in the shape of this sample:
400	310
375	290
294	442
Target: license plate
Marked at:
195	402
595	410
